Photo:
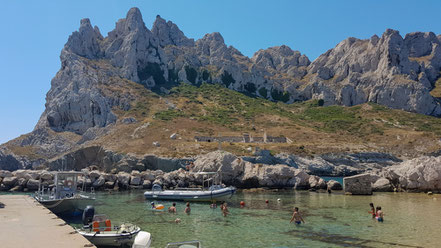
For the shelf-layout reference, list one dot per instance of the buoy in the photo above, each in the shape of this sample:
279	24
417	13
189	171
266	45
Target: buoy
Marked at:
242	203
159	207
278	199
266	201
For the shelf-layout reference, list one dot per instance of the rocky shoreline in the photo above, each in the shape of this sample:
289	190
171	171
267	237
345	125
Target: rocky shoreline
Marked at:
233	170
416	175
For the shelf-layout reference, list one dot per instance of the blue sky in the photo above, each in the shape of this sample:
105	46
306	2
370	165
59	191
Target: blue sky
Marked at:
34	32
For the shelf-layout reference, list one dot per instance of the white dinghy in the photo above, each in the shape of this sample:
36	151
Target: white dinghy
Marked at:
213	191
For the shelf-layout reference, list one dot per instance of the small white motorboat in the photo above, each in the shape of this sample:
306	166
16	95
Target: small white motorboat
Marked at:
213	192
100	232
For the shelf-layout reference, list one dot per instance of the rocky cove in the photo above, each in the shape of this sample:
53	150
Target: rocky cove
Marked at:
120	96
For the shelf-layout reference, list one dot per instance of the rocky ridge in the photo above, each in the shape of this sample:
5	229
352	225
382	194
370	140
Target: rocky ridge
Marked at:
390	70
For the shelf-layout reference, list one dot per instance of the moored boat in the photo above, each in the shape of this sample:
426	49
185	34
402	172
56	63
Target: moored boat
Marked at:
100	231
214	192
64	197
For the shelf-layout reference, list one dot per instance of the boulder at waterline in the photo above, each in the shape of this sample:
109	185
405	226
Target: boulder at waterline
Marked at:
358	184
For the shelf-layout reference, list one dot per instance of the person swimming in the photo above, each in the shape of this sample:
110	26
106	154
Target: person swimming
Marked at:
373	212
380	214
187	210
296	217
172	209
153	205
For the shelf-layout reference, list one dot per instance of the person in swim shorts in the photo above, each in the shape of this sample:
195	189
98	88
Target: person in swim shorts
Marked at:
380	214
296	217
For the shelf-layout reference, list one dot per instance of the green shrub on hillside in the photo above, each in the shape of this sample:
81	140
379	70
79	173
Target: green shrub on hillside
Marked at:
168	115
279	95
152	70
192	74
263	92
227	79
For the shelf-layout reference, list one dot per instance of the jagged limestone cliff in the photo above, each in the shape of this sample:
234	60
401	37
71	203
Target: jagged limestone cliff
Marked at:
392	71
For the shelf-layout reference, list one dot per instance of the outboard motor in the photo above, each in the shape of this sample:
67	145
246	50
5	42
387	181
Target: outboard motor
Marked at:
156	187
88	214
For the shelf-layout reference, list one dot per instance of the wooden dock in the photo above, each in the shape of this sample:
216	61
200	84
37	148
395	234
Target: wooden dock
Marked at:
26	223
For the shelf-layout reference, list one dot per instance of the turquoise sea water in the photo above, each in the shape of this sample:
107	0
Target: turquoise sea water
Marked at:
338	179
332	220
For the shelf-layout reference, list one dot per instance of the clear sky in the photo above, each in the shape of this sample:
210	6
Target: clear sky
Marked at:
34	32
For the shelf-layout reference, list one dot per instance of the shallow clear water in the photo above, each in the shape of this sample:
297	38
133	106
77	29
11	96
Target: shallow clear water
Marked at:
338	179
332	220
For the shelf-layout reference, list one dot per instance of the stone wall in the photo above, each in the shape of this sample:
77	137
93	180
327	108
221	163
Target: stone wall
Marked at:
358	184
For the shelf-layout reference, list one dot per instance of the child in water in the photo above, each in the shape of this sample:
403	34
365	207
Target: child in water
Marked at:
225	211
373	212
380	214
296	217
187	210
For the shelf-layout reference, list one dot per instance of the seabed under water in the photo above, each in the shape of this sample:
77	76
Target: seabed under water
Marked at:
332	220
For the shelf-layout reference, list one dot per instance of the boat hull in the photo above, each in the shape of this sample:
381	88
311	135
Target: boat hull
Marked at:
67	205
110	239
182	195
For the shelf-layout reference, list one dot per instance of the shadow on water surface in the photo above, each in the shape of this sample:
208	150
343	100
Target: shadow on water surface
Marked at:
342	240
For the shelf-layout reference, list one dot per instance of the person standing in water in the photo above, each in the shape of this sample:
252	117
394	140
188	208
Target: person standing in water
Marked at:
296	217
380	214
225	211
373	212
172	209
187	210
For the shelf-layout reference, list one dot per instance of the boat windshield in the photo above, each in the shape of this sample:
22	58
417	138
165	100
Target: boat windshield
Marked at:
100	217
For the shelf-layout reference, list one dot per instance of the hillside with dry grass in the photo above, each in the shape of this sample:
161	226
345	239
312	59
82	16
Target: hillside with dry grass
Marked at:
213	110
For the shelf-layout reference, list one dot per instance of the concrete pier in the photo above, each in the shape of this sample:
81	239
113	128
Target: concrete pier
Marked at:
26	223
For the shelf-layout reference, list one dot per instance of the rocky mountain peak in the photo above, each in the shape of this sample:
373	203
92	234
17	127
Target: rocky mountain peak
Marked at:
134	19
86	41
420	44
168	33
280	58
212	45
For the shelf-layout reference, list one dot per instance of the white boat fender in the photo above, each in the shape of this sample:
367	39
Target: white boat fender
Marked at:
142	240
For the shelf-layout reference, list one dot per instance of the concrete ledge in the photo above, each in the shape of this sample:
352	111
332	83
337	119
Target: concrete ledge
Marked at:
26	223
